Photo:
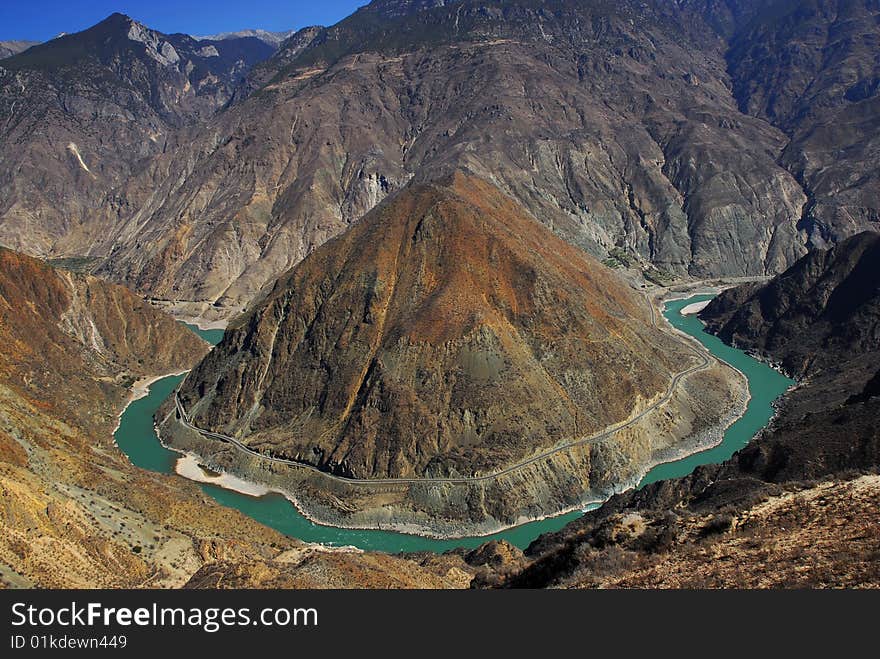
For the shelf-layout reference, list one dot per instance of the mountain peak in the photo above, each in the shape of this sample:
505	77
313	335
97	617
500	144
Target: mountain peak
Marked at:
446	278
273	38
118	21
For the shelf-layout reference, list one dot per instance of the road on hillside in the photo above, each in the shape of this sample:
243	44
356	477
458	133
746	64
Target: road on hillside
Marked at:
705	360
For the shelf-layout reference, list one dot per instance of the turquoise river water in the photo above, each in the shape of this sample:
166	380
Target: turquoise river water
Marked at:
137	438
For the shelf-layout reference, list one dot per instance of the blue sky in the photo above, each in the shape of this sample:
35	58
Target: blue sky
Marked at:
39	20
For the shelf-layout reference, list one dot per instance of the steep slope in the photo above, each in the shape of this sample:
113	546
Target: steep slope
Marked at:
823	311
446	323
81	112
611	123
798	505
75	512
446	335
66	336
649	130
71	346
811	68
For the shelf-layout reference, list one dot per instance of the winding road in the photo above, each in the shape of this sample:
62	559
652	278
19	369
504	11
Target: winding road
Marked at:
706	359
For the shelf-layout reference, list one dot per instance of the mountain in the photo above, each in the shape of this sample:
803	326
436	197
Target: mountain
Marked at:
83	112
597	145
76	513
798	506
272	38
175	76
810	68
287	52
72	346
646	132
10	48
65	331
822	311
445	335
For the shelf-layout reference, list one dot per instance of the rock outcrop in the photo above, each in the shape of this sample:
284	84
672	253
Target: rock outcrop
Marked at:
601	125
823	311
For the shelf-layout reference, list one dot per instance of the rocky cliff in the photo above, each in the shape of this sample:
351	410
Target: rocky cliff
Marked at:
655	132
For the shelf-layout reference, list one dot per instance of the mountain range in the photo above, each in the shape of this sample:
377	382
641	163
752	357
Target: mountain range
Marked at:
691	138
10	48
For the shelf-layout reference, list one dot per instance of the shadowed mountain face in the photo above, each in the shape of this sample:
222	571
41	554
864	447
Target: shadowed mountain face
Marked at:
446	333
10	48
816	315
655	128
759	519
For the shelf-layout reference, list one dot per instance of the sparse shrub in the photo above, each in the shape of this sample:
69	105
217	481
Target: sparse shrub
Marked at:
720	523
661	537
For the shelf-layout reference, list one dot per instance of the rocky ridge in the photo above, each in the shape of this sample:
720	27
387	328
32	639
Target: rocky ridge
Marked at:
641	132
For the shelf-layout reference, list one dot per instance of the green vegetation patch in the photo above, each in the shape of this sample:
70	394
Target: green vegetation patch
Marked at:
82	264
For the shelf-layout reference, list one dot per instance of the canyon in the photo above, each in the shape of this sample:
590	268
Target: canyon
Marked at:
75	512
798	506
447	366
439	235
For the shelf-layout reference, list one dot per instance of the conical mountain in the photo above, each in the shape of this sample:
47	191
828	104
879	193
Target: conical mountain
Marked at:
448	332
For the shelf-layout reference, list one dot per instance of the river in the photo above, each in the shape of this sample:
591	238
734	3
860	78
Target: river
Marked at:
137	438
